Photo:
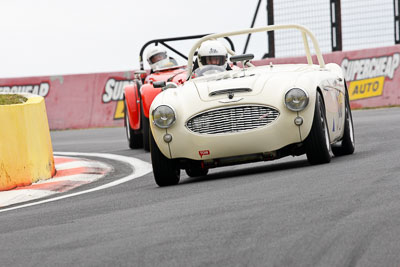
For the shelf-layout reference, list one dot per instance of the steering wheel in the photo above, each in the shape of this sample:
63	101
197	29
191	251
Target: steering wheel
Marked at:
208	69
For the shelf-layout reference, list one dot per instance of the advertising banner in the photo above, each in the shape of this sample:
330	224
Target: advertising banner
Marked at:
77	101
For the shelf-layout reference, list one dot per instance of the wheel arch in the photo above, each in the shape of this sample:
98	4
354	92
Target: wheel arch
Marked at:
131	99
148	93
308	114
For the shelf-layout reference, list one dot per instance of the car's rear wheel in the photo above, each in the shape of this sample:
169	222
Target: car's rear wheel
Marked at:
166	171
146	130
318	147
347	144
135	138
195	171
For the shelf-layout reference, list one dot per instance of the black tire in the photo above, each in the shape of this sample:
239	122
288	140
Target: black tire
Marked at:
135	138
146	130
347	145
166	171
195	171
318	147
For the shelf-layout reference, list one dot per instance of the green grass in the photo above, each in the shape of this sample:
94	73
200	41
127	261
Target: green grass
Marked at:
10	99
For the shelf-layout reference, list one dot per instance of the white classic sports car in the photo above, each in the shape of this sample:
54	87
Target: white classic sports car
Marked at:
223	117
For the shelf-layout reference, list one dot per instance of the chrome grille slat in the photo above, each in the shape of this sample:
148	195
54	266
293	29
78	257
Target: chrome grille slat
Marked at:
232	119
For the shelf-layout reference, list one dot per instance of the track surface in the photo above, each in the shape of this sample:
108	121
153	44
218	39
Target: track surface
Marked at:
279	213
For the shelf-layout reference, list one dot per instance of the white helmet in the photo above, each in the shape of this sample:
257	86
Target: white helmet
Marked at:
157	58
212	52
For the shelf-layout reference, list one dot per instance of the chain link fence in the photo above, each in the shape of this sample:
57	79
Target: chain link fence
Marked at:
367	24
364	24
313	14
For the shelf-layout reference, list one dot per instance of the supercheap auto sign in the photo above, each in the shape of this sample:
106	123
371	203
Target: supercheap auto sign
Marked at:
114	91
366	76
41	88
79	100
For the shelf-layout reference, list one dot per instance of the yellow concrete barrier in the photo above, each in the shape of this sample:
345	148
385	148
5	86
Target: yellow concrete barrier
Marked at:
26	152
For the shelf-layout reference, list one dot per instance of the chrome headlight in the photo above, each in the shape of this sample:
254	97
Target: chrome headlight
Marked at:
163	116
296	99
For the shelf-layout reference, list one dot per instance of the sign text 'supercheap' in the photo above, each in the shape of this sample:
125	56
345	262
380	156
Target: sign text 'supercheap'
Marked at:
114	91
367	75
41	89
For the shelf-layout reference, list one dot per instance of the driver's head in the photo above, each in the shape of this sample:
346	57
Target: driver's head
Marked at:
156	57
212	52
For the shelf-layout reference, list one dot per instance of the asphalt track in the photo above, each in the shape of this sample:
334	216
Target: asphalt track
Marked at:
279	213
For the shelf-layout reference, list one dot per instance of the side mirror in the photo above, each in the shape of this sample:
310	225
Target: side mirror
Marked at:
138	74
244	57
164	85
159	84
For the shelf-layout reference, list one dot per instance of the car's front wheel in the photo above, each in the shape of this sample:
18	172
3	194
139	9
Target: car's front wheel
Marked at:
166	171
135	138
318	147
347	144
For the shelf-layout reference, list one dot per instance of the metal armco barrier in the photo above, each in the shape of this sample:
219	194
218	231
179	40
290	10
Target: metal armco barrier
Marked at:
96	100
26	152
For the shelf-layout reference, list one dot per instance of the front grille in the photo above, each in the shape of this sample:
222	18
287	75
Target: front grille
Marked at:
232	120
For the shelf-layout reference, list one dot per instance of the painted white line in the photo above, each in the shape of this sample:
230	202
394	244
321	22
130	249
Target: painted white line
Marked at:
10	197
140	168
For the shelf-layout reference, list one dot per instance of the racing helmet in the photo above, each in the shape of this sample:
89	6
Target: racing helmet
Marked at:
157	57
212	52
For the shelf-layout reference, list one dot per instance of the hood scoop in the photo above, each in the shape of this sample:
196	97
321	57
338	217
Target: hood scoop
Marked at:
229	91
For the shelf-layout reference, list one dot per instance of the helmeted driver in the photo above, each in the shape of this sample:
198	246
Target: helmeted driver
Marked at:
158	59
212	52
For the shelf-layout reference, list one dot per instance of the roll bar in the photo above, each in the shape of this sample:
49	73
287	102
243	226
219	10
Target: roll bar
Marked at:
173	39
304	31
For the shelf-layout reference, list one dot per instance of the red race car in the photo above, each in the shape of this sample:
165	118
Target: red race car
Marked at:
139	95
